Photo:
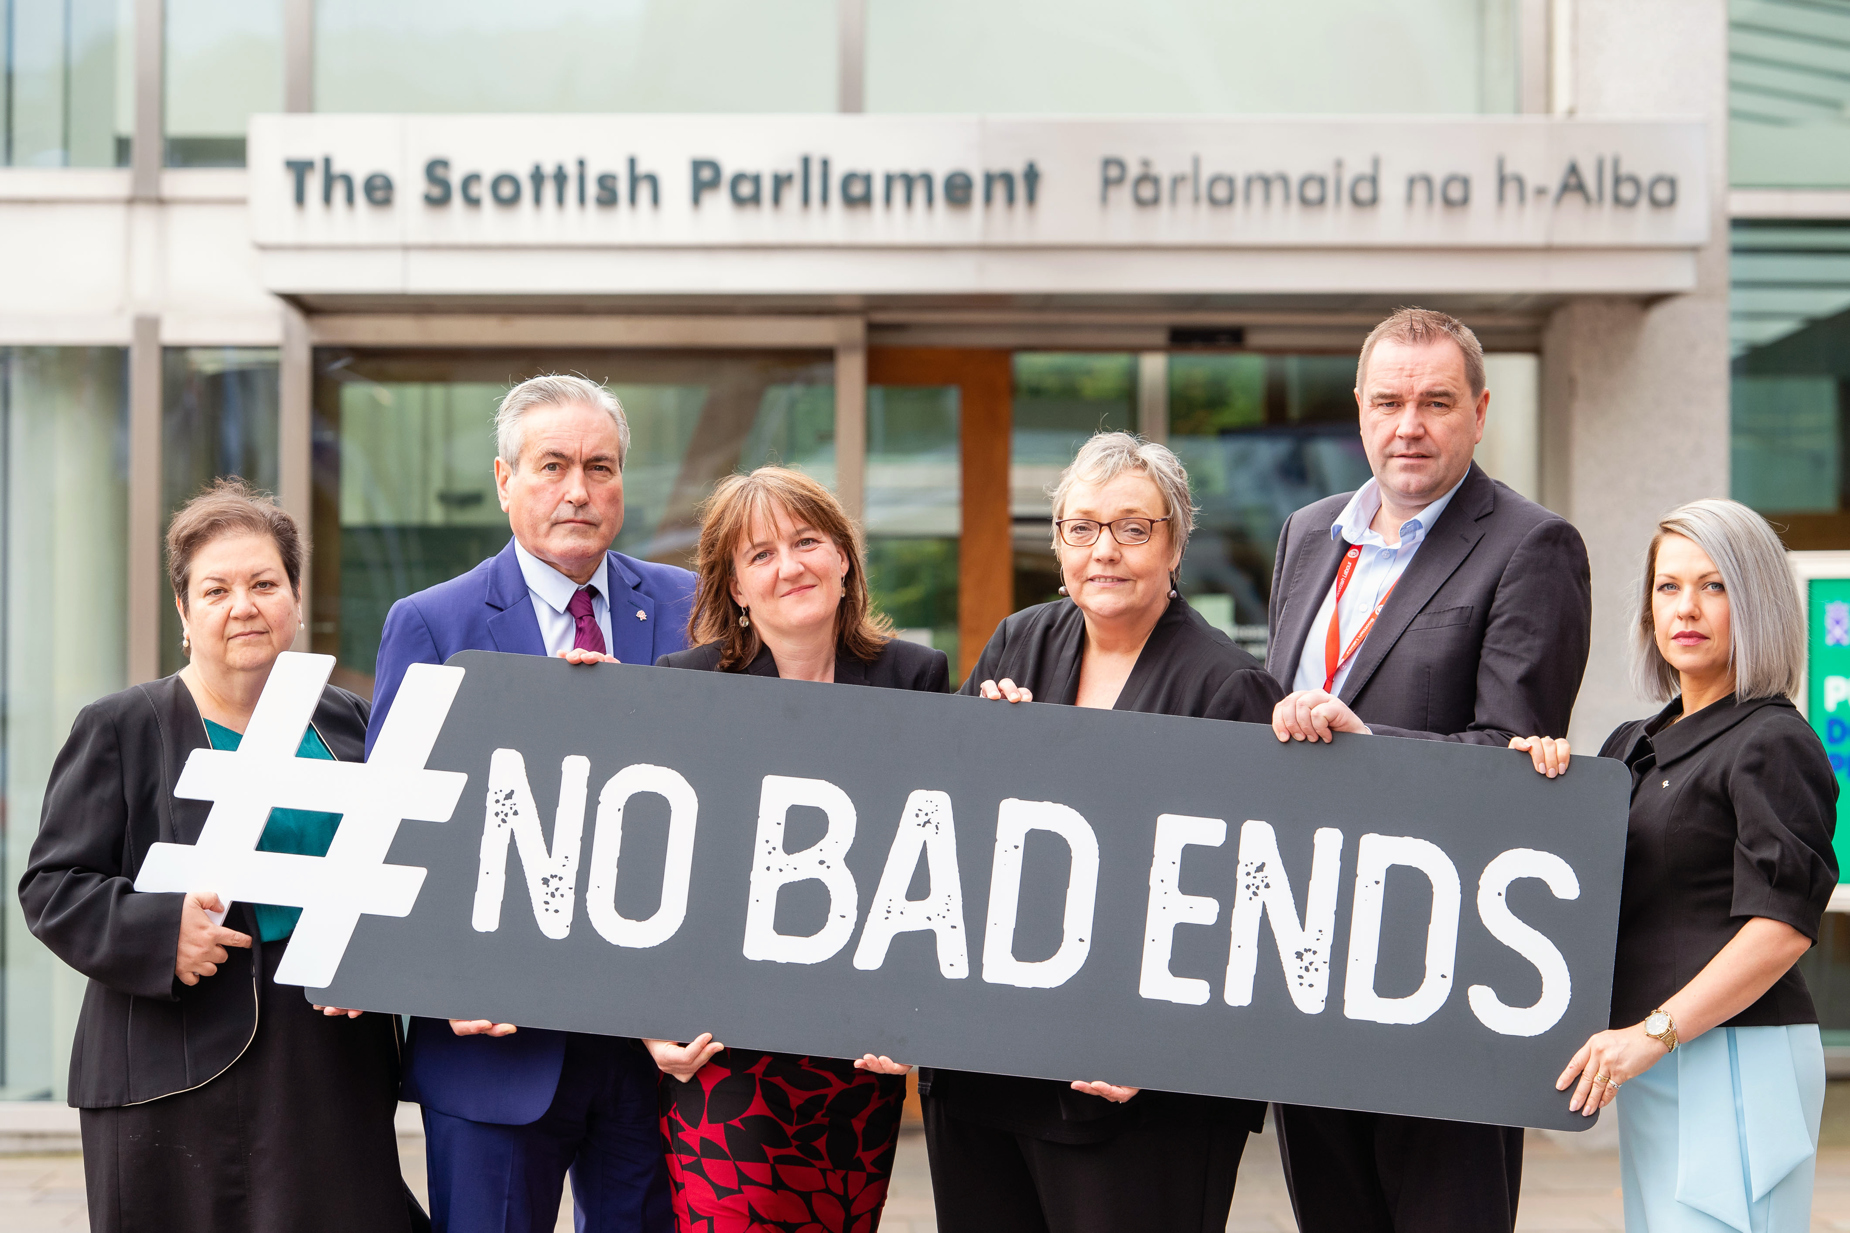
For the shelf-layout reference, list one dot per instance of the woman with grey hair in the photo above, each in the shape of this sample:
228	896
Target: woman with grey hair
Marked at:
1015	1153
1728	868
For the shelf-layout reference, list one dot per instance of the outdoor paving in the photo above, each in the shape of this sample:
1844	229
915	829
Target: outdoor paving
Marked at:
1567	1186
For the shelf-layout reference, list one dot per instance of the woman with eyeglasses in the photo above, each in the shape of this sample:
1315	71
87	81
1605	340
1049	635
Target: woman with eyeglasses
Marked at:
1012	1153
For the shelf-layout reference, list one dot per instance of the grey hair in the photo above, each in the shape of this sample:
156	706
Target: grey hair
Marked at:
554	390
1766	621
1108	455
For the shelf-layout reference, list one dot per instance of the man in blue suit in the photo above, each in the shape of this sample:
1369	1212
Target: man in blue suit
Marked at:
507	1111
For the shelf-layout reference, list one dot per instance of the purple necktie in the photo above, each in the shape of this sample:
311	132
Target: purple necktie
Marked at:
589	637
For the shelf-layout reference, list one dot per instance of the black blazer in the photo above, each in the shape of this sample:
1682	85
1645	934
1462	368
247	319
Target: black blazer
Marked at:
1485	636
142	1034
1732	815
1187	667
900	665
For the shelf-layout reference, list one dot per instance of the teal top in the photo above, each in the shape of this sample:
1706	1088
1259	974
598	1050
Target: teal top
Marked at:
287	830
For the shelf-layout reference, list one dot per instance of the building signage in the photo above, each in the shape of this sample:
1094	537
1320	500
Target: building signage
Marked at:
1827	683
970	182
953	882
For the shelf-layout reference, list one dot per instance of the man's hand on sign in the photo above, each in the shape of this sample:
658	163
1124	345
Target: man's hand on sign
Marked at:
683	1061
336	1011
481	1027
1549	754
579	655
882	1065
997	691
202	943
1110	1091
1312	715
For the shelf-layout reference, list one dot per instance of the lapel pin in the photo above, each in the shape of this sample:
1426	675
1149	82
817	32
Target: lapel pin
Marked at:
641	615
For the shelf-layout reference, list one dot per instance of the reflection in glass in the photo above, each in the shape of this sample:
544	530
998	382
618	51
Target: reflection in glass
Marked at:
1261	436
1060	399
1191	56
1790	334
68	97
574	56
915	509
224	61
1788	94
218	417
65	417
404	462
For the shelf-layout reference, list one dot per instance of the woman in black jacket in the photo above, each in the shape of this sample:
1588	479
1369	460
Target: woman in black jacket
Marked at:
769	1140
1013	1153
211	1098
1728	869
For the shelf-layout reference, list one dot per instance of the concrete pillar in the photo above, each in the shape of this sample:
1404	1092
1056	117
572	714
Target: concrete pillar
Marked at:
1635	394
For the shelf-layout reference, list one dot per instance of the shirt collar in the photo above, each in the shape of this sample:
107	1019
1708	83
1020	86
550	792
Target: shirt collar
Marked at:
554	587
1353	524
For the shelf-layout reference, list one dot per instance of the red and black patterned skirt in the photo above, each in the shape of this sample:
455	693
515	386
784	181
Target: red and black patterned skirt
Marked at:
768	1141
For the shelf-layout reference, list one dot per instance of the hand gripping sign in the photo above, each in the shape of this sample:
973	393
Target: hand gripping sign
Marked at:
1411	927
263	773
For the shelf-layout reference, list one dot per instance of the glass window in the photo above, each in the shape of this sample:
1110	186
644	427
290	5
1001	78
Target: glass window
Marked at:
574	56
1790	338
1789	93
224	61
404	462
915	509
218	417
68	96
1261	436
1191	56
64	413
1060	399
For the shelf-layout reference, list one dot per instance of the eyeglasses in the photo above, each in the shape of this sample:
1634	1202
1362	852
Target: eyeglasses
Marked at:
1127	532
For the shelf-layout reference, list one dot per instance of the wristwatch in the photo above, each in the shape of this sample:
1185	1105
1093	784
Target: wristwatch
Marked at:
1659	1026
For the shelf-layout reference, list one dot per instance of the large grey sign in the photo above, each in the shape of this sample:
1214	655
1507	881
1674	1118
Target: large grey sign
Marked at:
1404	926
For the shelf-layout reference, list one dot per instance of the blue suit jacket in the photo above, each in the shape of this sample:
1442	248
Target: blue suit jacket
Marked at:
510	1080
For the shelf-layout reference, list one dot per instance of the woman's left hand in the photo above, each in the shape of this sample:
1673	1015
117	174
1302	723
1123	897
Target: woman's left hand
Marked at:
1110	1091
882	1065
332	1011
1604	1062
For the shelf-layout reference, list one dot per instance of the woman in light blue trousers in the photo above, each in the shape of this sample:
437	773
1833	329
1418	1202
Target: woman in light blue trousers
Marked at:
1728	869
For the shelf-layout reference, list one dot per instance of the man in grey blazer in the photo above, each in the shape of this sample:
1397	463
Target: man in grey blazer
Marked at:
1432	602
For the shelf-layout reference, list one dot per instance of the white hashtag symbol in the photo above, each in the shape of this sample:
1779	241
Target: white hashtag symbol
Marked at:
372	797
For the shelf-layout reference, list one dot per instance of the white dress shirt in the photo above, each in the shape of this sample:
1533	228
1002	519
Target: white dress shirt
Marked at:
552	591
1379	568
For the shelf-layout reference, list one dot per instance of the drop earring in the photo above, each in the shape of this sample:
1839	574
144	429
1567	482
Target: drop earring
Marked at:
745	618
186	643
1063	588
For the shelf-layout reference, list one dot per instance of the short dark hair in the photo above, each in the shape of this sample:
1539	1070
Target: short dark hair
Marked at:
1417	326
230	506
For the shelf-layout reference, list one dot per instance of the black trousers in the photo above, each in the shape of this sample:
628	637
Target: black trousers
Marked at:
1377	1173
1176	1177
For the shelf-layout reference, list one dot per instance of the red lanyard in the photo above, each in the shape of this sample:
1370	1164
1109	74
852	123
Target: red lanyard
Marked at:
1332	660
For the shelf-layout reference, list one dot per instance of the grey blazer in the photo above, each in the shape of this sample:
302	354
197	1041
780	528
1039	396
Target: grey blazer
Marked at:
1485	636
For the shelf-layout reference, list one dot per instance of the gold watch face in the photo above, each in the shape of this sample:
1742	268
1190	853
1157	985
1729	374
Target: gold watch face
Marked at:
1656	1023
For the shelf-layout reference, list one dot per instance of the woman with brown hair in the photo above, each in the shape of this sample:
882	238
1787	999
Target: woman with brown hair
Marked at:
767	1140
210	1097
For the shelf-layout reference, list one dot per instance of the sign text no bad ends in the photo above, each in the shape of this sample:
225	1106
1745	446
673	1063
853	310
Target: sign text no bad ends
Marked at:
1177	904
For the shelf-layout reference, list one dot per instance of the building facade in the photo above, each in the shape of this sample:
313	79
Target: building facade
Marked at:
920	251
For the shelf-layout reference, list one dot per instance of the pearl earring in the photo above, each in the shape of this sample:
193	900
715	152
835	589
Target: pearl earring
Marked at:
745	618
1063	589
186	642
1172	592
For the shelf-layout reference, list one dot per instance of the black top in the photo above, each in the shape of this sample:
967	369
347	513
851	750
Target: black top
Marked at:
1732	815
899	665
1485	636
1187	667
142	1034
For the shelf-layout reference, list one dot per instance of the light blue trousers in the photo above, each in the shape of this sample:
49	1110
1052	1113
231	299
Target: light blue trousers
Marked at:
1723	1133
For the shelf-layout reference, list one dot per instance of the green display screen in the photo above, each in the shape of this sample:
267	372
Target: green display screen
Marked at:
1827	684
